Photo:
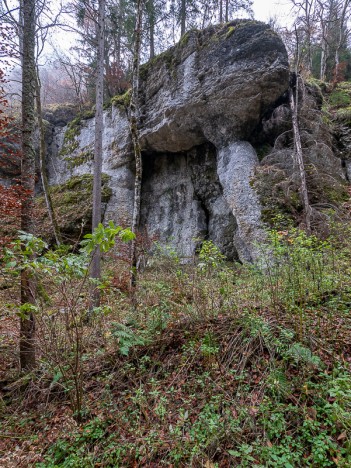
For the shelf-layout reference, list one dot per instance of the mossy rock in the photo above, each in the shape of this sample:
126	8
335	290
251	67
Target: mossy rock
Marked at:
79	159
122	100
70	143
72	202
87	114
60	114
343	115
193	40
280	200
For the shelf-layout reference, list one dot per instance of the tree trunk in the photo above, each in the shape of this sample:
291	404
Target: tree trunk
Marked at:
96	260
182	17
42	164
324	57
119	35
27	323
152	37
226	11
221	11
150	11
299	160
340	38
134	130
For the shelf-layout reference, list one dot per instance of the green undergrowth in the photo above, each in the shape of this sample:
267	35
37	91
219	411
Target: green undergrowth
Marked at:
339	102
205	364
214	413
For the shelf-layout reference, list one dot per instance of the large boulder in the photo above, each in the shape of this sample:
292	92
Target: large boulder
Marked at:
215	85
200	103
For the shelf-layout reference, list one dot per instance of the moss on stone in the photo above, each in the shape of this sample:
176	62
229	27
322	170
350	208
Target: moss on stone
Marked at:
60	114
73	206
172	57
122	100
343	115
185	38
70	143
279	198
169	58
337	193
81	158
87	114
230	31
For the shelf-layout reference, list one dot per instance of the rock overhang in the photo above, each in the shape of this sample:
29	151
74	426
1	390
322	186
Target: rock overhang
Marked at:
200	101
215	85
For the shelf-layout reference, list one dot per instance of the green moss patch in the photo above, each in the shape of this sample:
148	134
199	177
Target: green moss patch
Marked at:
81	158
172	57
343	115
73	207
122	100
339	98
70	142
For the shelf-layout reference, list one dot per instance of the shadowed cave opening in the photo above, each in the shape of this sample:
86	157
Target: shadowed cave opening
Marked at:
182	201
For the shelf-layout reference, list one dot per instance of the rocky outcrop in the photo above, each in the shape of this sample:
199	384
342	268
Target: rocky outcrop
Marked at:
201	102
325	156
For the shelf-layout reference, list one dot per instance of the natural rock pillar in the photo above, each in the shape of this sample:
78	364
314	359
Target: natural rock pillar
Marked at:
236	164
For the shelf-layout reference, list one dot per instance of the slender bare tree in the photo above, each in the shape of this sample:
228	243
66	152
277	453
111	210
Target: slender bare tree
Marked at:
298	153
343	31
27	324
306	21
96	260
42	164
134	130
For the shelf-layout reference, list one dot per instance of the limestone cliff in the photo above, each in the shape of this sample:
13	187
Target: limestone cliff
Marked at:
201	102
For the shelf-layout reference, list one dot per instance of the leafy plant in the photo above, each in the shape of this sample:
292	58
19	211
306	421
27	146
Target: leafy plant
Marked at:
126	338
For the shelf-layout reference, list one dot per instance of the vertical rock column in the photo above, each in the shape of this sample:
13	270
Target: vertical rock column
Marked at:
236	164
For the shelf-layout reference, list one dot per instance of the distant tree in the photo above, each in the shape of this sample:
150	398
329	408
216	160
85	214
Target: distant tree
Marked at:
322	34
306	27
117	44
151	15
343	32
62	82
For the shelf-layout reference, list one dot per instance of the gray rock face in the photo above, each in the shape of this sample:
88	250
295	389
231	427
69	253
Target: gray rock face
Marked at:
348	170
183	203
236	166
200	103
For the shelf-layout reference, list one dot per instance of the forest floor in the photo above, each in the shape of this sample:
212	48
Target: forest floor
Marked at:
207	364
